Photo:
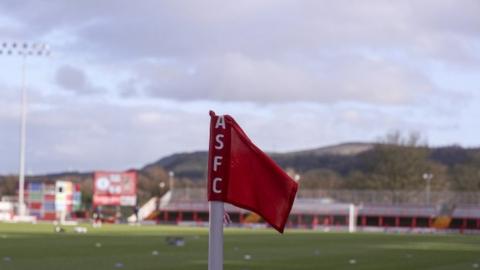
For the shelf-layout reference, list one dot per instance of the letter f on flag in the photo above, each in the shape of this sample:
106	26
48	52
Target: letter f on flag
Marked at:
241	174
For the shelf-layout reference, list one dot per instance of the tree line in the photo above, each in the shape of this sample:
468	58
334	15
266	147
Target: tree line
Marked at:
401	163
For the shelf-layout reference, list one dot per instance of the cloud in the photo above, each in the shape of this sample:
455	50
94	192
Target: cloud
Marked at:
86	136
124	30
236	77
273	51
170	29
75	80
95	134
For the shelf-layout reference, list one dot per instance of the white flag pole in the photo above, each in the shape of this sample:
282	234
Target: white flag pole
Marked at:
215	237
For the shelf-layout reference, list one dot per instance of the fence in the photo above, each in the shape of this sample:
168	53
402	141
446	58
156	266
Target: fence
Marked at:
403	197
375	197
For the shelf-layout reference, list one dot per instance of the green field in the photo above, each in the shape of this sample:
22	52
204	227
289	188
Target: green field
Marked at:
35	247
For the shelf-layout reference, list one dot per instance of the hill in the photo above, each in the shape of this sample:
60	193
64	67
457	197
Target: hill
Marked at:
348	165
342	158
185	165
337	157
357	166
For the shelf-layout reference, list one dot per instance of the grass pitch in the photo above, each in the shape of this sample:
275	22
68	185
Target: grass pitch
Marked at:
36	247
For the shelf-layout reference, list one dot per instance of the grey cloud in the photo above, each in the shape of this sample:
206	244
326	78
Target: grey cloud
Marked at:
75	80
285	27
121	29
273	51
71	78
236	77
129	88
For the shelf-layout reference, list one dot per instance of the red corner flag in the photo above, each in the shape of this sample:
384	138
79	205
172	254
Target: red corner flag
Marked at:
241	174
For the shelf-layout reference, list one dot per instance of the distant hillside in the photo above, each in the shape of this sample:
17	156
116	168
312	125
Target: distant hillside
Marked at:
345	149
343	166
185	165
342	159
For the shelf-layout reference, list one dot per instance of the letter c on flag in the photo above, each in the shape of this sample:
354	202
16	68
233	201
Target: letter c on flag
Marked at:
215	181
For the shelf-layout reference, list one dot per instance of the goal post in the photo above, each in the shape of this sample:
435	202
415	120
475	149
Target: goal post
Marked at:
352	218
325	215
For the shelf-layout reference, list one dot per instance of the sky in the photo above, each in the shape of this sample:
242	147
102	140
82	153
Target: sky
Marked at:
129	82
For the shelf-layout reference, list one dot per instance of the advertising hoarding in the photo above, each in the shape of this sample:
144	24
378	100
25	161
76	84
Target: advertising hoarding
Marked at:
115	188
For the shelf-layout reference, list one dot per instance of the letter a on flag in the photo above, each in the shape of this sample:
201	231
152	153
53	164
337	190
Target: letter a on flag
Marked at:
241	174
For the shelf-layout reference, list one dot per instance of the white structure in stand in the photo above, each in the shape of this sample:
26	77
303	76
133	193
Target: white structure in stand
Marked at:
152	205
6	211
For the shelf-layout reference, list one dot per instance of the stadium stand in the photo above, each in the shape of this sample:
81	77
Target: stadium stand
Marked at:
322	209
